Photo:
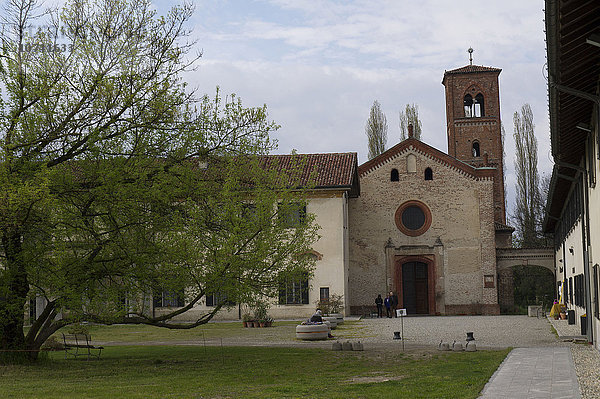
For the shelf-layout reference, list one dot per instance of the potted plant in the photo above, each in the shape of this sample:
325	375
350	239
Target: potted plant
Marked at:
260	314
246	319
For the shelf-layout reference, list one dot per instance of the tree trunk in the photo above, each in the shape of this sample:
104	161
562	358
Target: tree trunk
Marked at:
13	292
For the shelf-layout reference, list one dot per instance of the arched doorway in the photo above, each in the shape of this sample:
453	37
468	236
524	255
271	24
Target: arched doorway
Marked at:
415	287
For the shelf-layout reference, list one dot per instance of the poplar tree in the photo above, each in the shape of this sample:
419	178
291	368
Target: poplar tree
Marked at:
528	213
407	117
376	130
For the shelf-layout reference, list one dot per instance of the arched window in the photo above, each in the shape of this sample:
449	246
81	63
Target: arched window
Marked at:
478	106
428	174
476	150
468	104
394	175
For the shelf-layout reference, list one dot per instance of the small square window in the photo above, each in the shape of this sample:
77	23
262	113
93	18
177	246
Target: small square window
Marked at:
488	281
324	293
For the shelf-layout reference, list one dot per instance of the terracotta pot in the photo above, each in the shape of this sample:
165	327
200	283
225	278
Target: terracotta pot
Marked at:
262	324
245	324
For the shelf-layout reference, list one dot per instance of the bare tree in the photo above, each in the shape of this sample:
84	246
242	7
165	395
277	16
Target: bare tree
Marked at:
376	130
410	116
529	205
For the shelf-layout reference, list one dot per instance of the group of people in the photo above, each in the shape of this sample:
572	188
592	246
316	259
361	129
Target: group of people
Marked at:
390	302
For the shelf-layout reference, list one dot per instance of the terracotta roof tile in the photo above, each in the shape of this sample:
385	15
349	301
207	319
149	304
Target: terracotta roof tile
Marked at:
331	170
472	69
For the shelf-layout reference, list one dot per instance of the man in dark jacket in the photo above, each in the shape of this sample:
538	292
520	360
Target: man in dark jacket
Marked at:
379	303
388	305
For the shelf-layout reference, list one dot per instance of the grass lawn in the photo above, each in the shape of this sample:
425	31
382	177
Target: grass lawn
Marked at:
252	372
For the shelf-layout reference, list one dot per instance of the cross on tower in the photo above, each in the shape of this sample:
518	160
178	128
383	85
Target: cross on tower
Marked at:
470	50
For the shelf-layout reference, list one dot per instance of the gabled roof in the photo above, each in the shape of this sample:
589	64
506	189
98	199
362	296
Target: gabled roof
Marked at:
323	171
434	153
470	69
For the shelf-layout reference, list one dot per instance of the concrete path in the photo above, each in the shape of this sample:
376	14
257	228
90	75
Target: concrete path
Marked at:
542	372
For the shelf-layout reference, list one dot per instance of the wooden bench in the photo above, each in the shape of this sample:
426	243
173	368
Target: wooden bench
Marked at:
80	345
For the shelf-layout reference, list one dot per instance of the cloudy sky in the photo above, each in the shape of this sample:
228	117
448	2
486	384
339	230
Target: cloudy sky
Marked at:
319	65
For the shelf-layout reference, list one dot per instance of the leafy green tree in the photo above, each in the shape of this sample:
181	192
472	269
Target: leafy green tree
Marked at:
116	181
410	116
529	206
376	130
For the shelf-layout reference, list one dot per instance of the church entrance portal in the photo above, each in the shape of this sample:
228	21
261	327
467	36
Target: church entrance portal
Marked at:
415	287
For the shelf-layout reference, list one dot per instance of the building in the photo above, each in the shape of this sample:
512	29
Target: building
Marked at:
573	205
414	220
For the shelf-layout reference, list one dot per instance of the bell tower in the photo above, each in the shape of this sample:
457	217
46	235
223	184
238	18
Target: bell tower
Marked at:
473	123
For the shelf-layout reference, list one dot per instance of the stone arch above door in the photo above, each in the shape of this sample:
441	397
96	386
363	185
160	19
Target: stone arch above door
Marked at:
399	281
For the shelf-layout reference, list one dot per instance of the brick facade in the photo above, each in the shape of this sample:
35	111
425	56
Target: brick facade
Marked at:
485	130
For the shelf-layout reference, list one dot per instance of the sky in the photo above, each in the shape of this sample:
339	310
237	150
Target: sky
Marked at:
319	65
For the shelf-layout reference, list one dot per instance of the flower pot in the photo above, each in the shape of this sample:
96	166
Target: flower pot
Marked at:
245	324
262	324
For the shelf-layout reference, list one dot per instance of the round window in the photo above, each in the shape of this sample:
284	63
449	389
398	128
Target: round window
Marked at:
413	218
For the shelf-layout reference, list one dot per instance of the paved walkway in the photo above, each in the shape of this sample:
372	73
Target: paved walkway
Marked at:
534	373
539	372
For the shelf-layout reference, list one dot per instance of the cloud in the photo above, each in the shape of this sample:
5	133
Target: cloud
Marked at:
319	65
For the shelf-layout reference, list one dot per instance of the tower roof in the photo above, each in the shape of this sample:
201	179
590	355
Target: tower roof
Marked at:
470	69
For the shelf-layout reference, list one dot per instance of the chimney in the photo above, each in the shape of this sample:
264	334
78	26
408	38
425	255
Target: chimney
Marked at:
410	130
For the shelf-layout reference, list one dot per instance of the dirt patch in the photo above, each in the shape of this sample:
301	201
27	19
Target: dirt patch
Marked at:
376	378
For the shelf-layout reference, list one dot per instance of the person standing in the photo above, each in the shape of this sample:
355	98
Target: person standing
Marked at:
394	303
388	305
379	303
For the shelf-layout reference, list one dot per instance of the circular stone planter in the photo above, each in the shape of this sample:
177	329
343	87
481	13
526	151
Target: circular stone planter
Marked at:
338	316
332	321
311	332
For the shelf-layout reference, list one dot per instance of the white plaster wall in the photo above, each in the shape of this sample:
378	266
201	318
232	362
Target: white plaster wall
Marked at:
594	207
330	210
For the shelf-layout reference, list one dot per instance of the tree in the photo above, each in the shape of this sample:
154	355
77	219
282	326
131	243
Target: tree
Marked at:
116	181
528	213
376	130
410	116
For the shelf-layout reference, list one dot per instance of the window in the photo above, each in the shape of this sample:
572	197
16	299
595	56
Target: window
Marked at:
413	218
291	215
473	108
478	106
468	104
571	289
218	299
324	293
294	291
476	150
488	281
428	174
394	175
168	299
579	290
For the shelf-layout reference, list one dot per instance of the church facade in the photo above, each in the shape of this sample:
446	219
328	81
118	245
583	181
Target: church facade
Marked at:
426	224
